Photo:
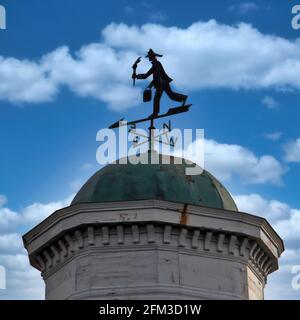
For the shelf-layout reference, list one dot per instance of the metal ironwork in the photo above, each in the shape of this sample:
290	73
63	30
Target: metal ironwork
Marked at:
161	83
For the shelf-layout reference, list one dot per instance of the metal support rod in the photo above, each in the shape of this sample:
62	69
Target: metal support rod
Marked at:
151	136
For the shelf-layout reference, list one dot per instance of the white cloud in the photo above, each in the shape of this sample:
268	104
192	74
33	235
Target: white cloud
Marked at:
211	55
273	136
204	55
3	200
11	243
37	212
96	71
23	281
30	215
292	151
18	261
227	161
285	219
243	8
8	219
270	102
279	286
25	81
290	228
286	222
272	210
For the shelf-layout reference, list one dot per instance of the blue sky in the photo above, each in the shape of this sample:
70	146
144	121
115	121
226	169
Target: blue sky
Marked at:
245	95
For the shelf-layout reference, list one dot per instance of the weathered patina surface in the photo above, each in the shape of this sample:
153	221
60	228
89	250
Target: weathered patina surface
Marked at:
119	182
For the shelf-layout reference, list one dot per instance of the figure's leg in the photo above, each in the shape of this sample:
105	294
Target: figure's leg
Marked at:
156	103
174	95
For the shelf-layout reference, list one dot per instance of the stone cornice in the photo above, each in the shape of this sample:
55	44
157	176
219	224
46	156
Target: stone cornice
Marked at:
156	211
148	236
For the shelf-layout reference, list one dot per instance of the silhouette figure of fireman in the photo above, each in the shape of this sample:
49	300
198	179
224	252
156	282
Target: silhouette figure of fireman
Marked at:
161	82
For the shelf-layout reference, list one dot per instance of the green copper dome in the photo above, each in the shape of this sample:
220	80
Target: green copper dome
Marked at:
126	182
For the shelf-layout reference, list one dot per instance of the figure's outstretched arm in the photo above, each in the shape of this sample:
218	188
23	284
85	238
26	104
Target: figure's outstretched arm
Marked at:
144	75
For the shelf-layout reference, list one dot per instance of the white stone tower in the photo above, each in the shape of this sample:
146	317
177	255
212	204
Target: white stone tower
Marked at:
152	232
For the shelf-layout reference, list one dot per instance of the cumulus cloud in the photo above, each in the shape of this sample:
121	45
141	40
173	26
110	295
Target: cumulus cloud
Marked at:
227	161
292	151
285	219
279	286
213	55
272	210
95	71
25	81
203	55
28	216
11	243
8	219
290	228
23	282
37	212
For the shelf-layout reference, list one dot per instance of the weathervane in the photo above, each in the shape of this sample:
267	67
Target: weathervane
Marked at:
161	83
